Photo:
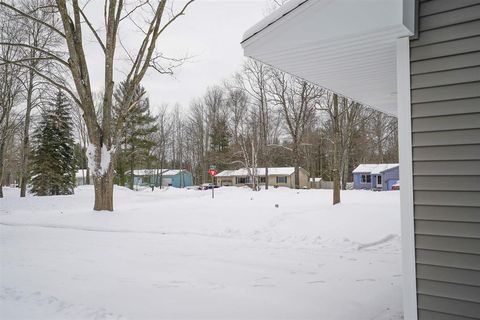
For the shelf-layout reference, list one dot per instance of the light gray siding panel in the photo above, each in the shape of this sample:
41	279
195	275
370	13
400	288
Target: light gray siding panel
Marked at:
443	78
432	168
439	213
446	63
451	244
441	108
439	6
449	18
451	92
445	138
453	275
432	315
447	305
449	290
453	32
447	183
448	259
444	49
448	228
458	152
454	122
447	198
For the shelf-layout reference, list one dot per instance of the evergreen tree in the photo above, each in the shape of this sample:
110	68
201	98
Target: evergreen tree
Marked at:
53	161
139	126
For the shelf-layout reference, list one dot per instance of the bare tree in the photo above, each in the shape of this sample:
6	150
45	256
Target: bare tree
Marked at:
101	131
11	83
37	36
162	138
297	100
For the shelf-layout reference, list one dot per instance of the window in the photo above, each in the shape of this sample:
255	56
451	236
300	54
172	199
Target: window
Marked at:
366	178
262	179
243	180
281	179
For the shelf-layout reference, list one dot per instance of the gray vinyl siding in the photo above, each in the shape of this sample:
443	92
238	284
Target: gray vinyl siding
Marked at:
445	95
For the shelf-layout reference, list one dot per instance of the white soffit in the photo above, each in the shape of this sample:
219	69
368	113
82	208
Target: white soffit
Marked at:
347	46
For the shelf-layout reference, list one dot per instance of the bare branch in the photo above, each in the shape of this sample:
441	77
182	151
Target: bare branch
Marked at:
99	40
32	18
48	53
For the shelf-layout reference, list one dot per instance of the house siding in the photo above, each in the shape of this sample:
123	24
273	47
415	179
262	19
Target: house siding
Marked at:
445	95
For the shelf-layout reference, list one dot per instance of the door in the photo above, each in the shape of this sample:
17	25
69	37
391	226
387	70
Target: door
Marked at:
379	181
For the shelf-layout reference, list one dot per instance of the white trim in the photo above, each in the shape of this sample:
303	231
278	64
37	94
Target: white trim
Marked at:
406	178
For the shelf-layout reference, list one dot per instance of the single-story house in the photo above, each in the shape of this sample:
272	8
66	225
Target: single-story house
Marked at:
279	176
376	176
417	60
162	177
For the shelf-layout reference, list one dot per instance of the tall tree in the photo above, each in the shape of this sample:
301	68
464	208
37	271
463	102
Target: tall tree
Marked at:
11	82
53	163
297	100
137	130
37	36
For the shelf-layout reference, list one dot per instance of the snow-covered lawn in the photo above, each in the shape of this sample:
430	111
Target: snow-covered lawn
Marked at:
178	254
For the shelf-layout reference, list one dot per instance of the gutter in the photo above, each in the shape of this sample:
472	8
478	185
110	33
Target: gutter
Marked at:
274	21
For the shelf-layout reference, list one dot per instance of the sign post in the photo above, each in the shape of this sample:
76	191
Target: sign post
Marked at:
213	171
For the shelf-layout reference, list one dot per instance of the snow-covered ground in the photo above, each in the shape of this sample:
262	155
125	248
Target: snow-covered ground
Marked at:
178	254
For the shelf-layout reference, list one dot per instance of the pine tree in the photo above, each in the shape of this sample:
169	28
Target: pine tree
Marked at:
139	126
53	162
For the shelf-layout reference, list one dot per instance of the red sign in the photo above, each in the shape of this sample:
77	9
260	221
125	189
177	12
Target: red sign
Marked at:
213	172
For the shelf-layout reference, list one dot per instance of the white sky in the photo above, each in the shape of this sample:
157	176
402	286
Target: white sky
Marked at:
210	31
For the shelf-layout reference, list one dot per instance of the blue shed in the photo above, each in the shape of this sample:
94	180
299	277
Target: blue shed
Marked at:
177	178
376	176
164	177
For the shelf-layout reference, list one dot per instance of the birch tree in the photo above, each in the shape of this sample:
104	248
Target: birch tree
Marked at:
101	130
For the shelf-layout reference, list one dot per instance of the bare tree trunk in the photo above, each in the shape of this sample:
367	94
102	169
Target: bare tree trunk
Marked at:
336	151
104	191
266	177
26	135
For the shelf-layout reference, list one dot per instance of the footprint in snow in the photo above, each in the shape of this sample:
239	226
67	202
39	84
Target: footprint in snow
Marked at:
316	281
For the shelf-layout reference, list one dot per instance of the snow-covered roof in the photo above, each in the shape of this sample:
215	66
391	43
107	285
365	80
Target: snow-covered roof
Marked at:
147	172
274	171
174	172
374	168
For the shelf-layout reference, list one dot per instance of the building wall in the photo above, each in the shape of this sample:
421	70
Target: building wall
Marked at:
445	96
272	181
388	176
357	182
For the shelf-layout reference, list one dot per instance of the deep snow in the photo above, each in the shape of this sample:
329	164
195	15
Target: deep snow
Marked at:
178	254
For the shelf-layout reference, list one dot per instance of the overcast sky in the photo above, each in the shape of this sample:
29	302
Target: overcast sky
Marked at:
210	31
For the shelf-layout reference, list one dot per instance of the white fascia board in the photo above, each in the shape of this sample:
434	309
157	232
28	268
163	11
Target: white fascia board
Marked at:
346	46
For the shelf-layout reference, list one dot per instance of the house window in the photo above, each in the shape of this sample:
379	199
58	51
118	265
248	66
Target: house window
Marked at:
366	178
262	179
243	180
281	179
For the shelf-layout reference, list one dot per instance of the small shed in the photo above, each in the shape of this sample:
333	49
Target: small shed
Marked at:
162	177
177	178
376	176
